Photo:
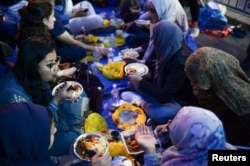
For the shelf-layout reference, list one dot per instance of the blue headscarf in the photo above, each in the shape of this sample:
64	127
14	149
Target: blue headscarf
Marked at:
24	134
193	132
168	41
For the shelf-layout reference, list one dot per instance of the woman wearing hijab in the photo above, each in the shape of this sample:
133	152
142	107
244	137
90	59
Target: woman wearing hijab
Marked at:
29	81
193	132
168	87
158	10
26	133
220	85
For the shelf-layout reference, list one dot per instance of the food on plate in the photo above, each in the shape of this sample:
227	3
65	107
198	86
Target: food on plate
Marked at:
77	90
75	86
113	70
132	143
135	118
136	68
89	144
129	53
128	138
131	70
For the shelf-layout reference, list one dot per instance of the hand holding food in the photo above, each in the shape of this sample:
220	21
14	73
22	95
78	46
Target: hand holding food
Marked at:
67	90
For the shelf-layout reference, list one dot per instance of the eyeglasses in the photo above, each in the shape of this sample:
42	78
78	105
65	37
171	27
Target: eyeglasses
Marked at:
54	64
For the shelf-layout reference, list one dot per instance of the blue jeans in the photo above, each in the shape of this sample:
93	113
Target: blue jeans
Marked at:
158	112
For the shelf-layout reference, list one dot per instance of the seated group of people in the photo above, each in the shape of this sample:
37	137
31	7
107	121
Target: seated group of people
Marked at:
205	88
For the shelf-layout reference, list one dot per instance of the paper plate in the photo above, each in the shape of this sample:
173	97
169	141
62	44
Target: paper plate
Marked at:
136	68
128	53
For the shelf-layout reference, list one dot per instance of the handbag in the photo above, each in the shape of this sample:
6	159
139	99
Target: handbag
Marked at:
91	85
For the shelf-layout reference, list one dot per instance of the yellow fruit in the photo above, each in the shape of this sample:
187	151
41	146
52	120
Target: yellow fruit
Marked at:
93	39
117	149
96	123
114	70
106	22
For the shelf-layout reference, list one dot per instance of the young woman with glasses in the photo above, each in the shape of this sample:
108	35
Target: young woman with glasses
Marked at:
29	81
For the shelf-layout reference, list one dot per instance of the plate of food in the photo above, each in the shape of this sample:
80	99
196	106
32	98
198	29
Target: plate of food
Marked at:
88	144
76	86
128	53
136	68
131	145
128	116
142	22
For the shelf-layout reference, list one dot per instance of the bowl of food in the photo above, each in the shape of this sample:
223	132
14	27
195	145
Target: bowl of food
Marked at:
75	86
131	145
126	53
88	144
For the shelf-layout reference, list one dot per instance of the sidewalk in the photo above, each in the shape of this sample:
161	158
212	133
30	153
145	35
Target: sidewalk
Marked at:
235	17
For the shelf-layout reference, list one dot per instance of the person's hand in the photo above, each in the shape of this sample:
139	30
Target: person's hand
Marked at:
161	129
130	59
103	51
135	79
79	13
82	38
66	72
70	158
62	93
127	26
145	138
135	9
100	160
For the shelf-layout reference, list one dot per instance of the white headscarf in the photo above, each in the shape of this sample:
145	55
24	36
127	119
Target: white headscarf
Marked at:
170	10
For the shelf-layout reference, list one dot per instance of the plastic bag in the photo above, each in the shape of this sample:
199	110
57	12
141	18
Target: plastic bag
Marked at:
211	19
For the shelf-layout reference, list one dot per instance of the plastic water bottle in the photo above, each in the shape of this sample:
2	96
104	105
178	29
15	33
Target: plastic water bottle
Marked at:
112	41
113	15
110	55
114	97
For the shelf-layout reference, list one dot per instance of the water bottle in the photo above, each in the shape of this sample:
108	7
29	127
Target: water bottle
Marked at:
113	15
110	55
114	97
112	41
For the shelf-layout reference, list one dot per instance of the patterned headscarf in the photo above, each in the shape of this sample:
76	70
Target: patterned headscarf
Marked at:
220	72
193	132
24	134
